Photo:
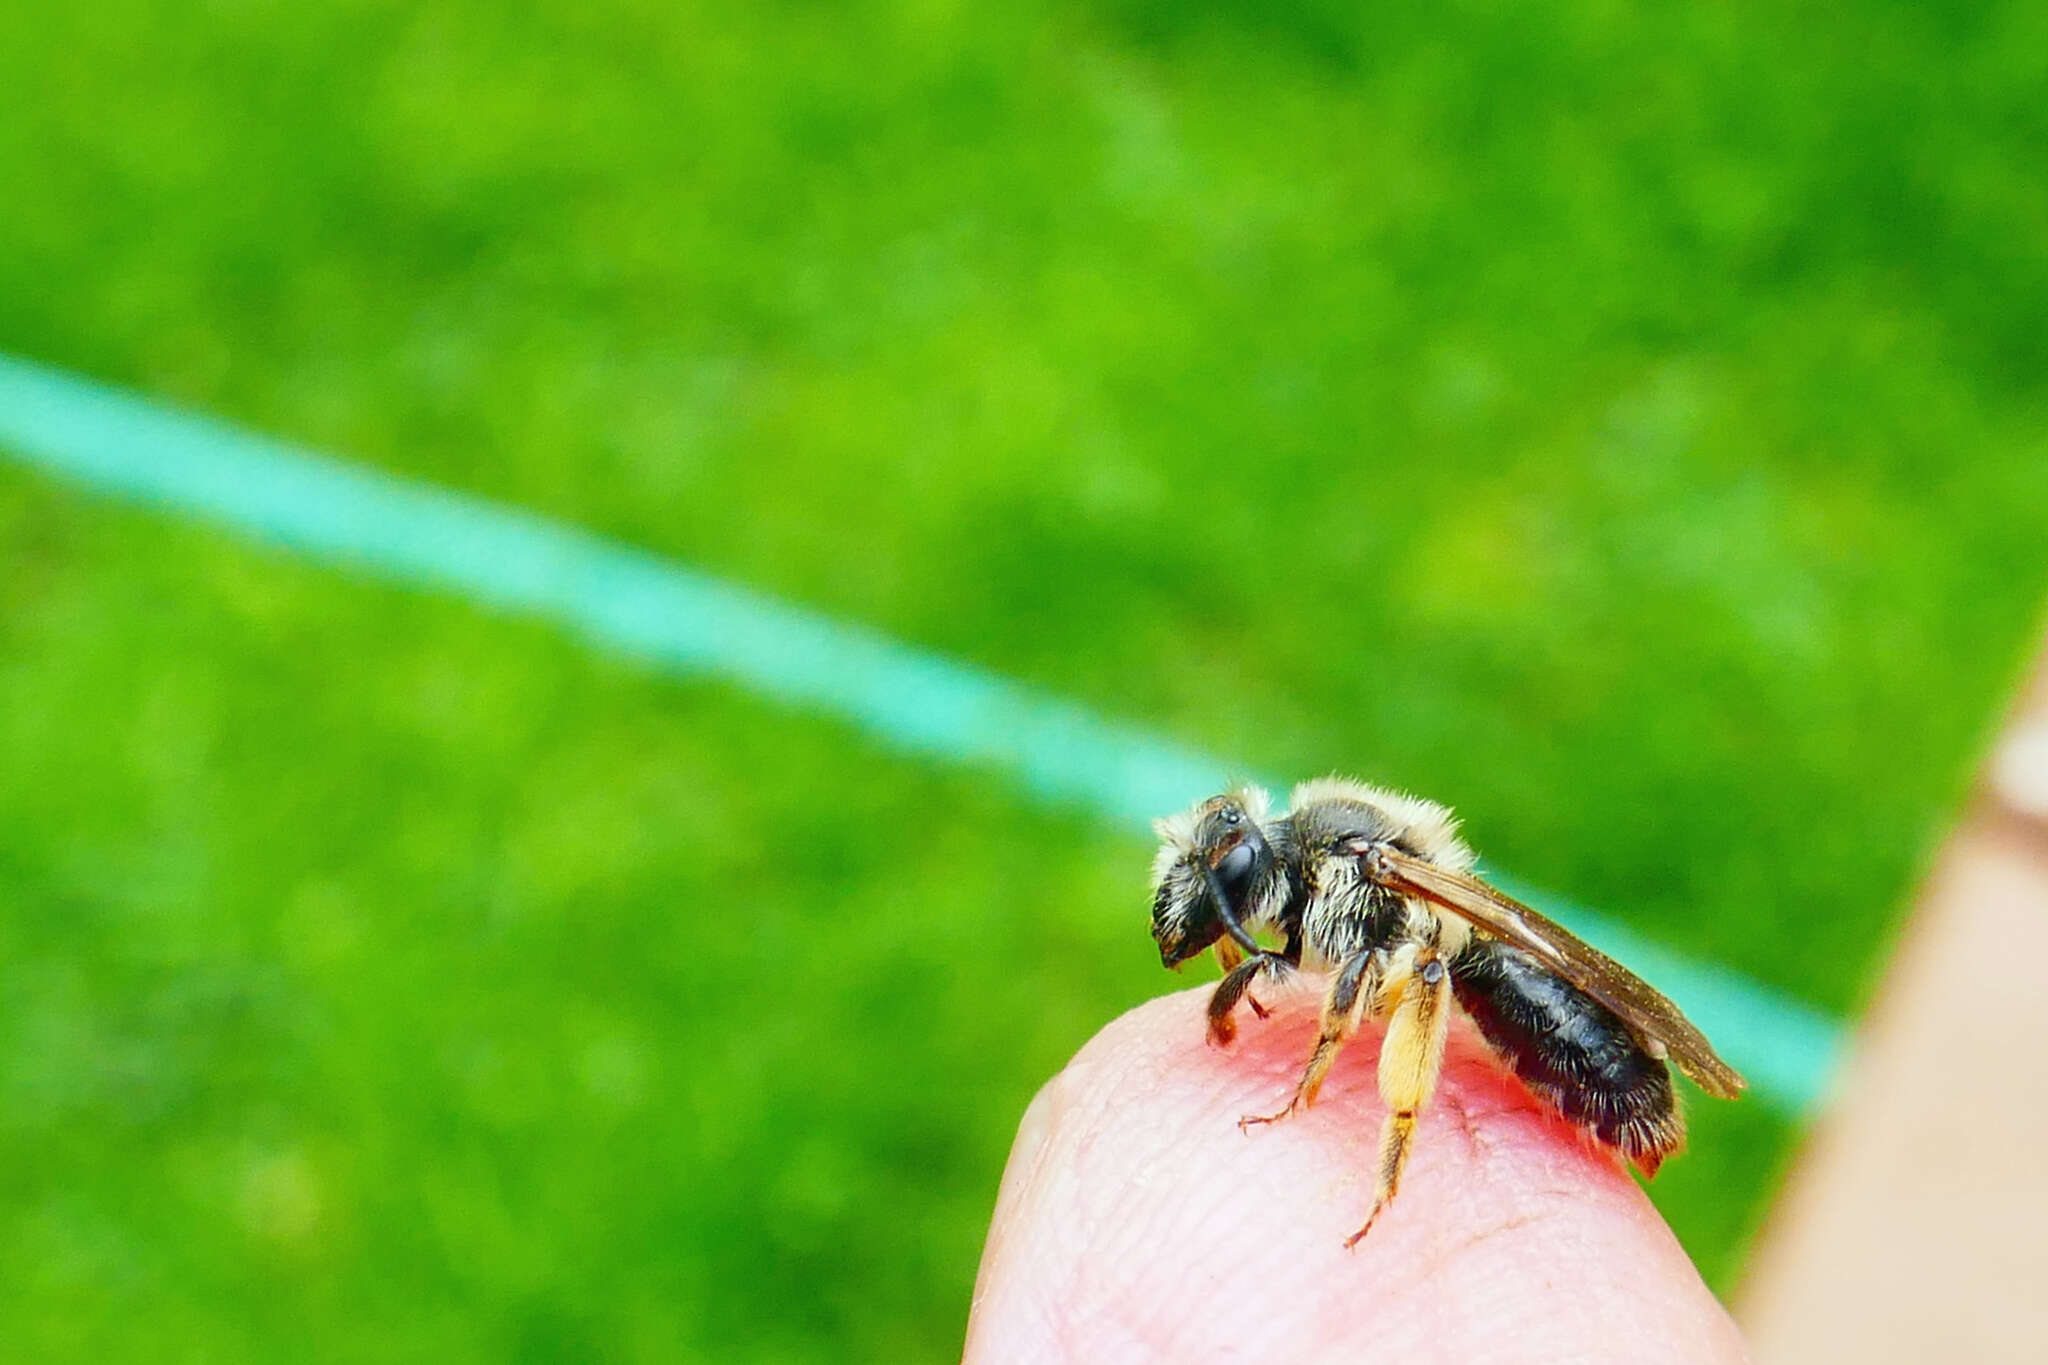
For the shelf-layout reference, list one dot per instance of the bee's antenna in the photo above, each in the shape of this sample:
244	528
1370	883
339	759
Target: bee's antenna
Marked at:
1229	916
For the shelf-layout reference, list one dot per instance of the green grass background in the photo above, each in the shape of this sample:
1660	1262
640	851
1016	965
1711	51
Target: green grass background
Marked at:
1624	425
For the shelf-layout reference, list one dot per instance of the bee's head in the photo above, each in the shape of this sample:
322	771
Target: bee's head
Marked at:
1224	835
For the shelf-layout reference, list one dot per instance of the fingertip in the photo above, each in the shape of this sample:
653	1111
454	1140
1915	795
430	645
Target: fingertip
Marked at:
1136	1221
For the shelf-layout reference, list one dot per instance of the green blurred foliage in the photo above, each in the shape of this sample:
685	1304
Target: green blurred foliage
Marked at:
1624	425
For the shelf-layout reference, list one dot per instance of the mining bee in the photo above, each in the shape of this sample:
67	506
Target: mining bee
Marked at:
1376	888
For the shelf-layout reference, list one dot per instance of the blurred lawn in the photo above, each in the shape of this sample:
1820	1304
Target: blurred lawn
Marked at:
1624	427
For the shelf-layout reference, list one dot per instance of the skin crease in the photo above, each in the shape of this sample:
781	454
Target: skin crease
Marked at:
1137	1224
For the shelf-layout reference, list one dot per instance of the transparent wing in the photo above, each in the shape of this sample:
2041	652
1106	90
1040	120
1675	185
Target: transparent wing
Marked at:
1654	1019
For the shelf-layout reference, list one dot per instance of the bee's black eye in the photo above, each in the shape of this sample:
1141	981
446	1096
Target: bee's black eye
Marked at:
1236	866
1231	815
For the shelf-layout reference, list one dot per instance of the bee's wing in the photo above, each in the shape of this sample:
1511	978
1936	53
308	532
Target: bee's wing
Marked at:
1641	1006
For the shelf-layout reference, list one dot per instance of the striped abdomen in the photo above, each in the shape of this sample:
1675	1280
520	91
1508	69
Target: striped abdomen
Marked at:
1571	1051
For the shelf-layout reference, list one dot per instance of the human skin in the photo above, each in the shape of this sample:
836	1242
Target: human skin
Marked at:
1136	1223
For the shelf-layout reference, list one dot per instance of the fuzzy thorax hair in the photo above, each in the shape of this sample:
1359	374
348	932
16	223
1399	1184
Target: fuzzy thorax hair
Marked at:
1425	828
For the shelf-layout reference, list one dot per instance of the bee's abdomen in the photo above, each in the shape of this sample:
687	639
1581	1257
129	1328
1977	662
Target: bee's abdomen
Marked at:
1571	1051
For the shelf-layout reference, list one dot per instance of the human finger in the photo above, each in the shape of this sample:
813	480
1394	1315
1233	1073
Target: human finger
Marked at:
1137	1223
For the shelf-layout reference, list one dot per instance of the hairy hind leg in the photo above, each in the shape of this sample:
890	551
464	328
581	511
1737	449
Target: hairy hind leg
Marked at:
1350	999
1411	1058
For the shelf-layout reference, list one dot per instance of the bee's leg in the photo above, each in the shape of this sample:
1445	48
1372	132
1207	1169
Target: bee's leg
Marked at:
1222	1028
1290	956
1410	1060
1351	995
1228	957
1229	954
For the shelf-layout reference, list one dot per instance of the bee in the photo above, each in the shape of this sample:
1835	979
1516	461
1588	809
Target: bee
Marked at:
1377	889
